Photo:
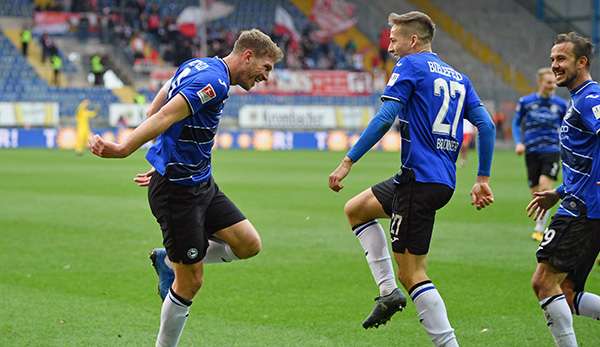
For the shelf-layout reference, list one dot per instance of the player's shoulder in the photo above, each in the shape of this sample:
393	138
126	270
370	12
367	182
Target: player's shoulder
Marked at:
525	99
559	101
209	73
589	98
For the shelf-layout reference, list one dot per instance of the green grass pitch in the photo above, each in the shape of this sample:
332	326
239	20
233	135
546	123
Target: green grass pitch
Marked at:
75	234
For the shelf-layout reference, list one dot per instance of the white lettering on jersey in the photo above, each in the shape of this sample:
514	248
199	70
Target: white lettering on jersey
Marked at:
393	79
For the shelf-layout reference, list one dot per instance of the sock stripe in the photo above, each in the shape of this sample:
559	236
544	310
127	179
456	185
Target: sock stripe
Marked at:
417	286
576	302
551	299
178	299
421	290
360	227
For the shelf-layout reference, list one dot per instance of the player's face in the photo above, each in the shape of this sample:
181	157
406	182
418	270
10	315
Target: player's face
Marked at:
401	44
564	64
547	84
257	70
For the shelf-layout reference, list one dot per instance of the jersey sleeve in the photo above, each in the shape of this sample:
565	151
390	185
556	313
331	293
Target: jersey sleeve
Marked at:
402	82
202	92
589	108
516	122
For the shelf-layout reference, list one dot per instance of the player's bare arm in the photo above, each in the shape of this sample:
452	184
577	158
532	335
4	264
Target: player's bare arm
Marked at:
336	177
175	110
159	100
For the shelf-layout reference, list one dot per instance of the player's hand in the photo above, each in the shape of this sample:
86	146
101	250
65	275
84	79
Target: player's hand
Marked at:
105	149
143	179
336	177
541	202
481	193
520	148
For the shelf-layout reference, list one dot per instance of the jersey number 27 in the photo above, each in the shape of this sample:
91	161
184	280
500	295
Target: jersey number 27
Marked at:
441	88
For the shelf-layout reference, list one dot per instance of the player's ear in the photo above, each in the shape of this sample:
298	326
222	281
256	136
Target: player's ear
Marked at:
247	55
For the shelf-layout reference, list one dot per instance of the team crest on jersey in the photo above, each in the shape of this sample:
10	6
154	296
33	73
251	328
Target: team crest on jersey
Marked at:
206	94
596	110
393	79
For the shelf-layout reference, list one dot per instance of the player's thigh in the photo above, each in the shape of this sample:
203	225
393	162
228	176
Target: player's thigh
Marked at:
579	275
534	169
371	203
181	213
225	221
566	243
549	166
414	208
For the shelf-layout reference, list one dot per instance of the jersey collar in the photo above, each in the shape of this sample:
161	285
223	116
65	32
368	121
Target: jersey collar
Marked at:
582	87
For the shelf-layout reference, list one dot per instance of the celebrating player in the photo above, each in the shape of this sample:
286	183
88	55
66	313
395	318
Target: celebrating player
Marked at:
538	117
182	193
430	98
572	241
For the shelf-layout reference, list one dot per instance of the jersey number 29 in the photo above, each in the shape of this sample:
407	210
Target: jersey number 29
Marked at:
441	88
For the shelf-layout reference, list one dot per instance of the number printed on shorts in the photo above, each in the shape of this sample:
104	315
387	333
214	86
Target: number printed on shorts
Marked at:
395	227
548	236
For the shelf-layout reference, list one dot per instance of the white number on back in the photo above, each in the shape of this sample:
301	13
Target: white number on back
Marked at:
441	88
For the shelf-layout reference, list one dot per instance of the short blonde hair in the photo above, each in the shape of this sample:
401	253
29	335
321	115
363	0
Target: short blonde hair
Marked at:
259	43
543	71
414	22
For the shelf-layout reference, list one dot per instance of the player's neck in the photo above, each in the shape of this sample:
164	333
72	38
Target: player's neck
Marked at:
576	83
231	63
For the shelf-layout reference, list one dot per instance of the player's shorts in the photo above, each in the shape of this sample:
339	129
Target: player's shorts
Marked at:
571	245
547	164
412	206
189	215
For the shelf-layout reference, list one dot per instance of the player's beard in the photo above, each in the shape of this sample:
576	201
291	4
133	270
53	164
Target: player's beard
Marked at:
568	80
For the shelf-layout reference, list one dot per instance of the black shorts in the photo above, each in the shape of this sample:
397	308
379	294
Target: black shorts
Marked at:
571	245
547	164
189	215
412	206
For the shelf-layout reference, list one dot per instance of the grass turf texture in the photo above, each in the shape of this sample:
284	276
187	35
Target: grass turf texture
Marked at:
75	234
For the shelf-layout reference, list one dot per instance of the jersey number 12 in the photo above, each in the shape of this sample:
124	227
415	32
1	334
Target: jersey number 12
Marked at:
441	88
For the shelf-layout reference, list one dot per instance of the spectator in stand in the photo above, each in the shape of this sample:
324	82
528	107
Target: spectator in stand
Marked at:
97	68
153	24
25	39
137	46
56	62
47	44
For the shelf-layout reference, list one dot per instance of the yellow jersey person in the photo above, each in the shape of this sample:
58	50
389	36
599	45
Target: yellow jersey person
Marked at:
82	118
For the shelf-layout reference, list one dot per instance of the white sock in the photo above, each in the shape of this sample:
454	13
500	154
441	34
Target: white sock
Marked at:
373	241
173	315
432	314
219	252
540	224
559	320
587	304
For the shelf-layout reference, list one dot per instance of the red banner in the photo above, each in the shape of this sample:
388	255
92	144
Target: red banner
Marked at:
54	22
317	82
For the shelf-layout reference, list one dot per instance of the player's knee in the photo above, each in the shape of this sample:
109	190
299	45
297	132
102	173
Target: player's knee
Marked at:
251	248
352	211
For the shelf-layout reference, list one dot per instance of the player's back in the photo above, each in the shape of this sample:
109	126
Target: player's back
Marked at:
436	97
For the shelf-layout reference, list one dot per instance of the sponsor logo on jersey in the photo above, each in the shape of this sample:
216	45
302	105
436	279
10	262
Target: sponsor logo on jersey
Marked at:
393	79
596	110
206	94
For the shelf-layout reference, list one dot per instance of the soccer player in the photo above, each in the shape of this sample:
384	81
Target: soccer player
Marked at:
182	193
538	117
82	119
430	98
572	241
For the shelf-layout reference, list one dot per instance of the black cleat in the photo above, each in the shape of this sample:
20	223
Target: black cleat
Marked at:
385	307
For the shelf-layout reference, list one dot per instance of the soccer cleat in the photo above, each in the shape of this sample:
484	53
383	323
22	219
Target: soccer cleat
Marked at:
537	236
385	307
166	276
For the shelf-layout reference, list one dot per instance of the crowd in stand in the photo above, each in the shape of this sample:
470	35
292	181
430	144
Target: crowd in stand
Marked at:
147	35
